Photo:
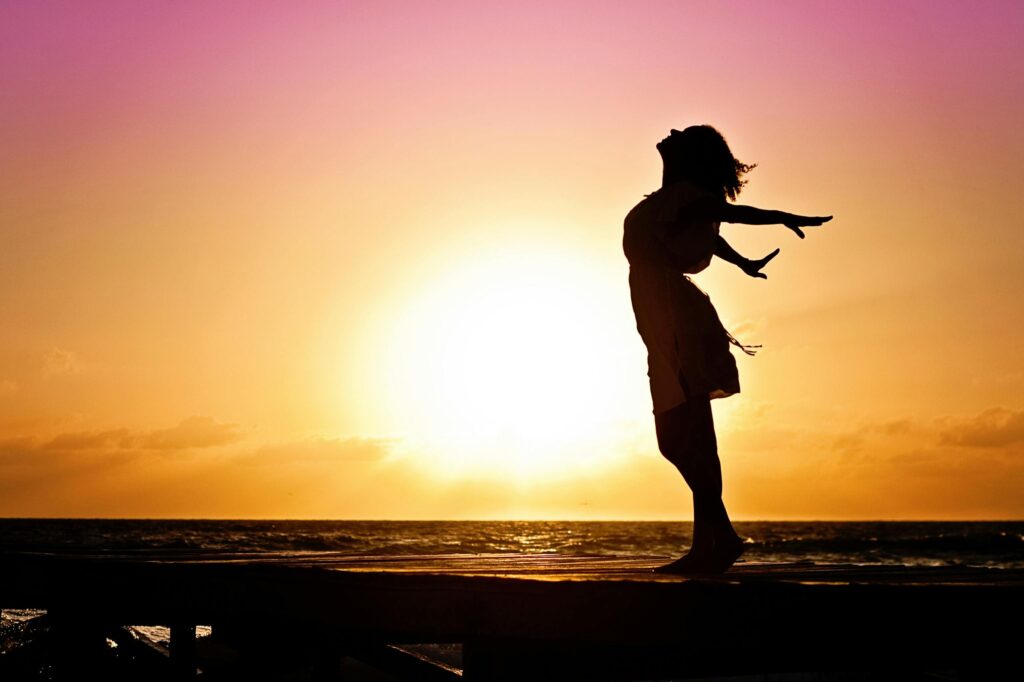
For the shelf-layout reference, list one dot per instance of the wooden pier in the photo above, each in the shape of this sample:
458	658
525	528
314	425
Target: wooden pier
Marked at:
536	616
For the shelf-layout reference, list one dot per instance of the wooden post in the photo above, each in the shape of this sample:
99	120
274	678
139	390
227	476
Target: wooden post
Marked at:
183	649
80	642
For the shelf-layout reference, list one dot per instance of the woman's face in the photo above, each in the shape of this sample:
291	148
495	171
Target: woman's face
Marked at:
668	144
671	135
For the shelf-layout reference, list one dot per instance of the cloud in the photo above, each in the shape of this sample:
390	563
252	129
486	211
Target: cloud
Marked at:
88	440
193	432
749	326
16	450
60	361
994	428
851	441
894	427
822	441
848	441
352	448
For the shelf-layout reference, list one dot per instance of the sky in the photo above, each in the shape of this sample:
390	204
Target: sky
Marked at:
363	259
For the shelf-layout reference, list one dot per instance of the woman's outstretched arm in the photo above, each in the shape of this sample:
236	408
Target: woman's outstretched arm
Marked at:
720	210
749	215
725	251
752	267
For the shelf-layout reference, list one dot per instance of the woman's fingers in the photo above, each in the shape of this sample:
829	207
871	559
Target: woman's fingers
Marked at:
764	261
806	221
811	220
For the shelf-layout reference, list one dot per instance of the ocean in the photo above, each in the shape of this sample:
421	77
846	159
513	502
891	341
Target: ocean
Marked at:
915	543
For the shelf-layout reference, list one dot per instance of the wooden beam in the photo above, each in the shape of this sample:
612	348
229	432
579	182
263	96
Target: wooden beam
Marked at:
183	649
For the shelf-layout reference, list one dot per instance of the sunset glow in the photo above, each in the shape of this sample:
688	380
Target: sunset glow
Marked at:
363	259
502	364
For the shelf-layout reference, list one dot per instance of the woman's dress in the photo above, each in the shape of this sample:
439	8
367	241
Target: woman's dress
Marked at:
687	346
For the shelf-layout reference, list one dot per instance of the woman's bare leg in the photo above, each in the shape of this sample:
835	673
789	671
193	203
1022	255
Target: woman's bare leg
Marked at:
678	439
727	546
686	437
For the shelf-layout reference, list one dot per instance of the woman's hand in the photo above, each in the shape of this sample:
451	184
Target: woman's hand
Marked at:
753	267
795	222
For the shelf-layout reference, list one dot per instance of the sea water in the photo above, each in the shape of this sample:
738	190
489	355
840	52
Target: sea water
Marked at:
914	543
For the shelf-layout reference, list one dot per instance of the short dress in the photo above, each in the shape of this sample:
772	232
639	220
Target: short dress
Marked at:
688	352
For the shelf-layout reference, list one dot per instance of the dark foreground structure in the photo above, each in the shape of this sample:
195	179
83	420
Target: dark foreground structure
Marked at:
523	617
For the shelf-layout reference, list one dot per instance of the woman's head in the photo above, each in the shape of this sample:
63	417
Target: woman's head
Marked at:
700	154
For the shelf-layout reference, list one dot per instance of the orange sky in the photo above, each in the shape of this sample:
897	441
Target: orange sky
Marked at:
364	261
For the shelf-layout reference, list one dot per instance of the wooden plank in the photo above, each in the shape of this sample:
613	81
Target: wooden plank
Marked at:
183	649
758	614
563	567
405	664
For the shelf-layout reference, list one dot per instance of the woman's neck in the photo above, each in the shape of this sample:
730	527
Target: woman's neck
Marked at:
670	177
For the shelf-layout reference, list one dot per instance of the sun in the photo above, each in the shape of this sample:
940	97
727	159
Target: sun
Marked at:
508	364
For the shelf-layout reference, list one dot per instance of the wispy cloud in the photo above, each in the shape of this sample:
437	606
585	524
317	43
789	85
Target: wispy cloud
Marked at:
16	449
854	439
193	432
88	440
57	361
753	327
353	448
995	427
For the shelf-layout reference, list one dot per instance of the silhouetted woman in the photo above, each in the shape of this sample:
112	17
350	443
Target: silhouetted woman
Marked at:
672	233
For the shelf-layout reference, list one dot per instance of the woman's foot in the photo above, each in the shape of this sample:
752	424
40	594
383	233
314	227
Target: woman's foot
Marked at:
692	562
725	553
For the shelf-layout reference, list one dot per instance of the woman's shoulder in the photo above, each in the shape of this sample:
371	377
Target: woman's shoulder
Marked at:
677	197
688	191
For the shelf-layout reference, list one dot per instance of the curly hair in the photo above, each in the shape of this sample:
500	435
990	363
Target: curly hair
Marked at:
701	155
